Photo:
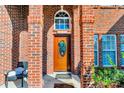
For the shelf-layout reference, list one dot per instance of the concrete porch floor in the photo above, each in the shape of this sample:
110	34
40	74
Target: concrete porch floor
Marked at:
50	80
15	84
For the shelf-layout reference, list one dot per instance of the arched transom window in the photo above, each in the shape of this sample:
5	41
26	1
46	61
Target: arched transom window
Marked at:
62	20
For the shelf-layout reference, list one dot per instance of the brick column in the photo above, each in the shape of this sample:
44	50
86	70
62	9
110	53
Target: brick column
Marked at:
87	43
5	42
23	53
35	26
76	39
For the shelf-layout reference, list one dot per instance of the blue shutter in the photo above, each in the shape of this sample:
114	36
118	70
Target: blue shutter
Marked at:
96	50
122	50
108	50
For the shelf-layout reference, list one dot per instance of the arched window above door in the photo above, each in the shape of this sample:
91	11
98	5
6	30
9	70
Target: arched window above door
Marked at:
62	20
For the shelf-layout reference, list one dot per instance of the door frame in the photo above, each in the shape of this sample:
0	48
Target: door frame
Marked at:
69	63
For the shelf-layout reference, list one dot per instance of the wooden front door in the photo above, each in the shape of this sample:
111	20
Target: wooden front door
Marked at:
60	53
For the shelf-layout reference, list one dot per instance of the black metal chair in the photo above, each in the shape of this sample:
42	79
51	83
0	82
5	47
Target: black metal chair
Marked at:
13	75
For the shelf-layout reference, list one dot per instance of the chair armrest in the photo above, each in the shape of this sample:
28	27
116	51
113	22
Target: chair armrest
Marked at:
24	73
10	75
10	72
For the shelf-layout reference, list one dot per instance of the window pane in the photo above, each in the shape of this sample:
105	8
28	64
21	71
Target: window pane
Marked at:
57	26
108	50
122	50
95	42
113	46
95	58
104	45
108	45
62	21
66	26
61	26
96	50
112	38
108	58
122	38
67	21
122	47
122	58
56	21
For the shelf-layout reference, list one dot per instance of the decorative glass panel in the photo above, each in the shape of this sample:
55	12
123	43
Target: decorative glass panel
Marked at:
62	14
62	48
62	21
108	50
122	50
96	50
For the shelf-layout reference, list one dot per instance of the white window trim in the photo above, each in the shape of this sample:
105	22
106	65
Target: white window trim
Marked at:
97	52
120	48
115	50
62	18
62	11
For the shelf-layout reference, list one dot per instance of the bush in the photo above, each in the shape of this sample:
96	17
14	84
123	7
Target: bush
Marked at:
108	77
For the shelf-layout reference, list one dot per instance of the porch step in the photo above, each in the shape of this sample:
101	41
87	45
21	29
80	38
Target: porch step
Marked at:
63	85
63	76
50	80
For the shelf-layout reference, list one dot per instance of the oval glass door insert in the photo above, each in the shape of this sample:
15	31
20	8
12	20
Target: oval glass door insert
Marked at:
62	48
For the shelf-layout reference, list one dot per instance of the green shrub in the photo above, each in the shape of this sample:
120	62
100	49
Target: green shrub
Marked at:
108	77
103	76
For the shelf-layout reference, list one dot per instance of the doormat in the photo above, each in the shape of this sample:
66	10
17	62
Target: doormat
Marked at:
63	76
63	85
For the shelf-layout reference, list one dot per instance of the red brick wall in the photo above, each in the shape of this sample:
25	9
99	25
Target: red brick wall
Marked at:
14	13
18	16
5	42
23	47
109	21
35	25
76	39
87	43
12	22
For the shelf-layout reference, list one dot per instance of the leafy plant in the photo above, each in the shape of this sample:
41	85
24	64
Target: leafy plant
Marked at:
110	60
108	77
122	54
